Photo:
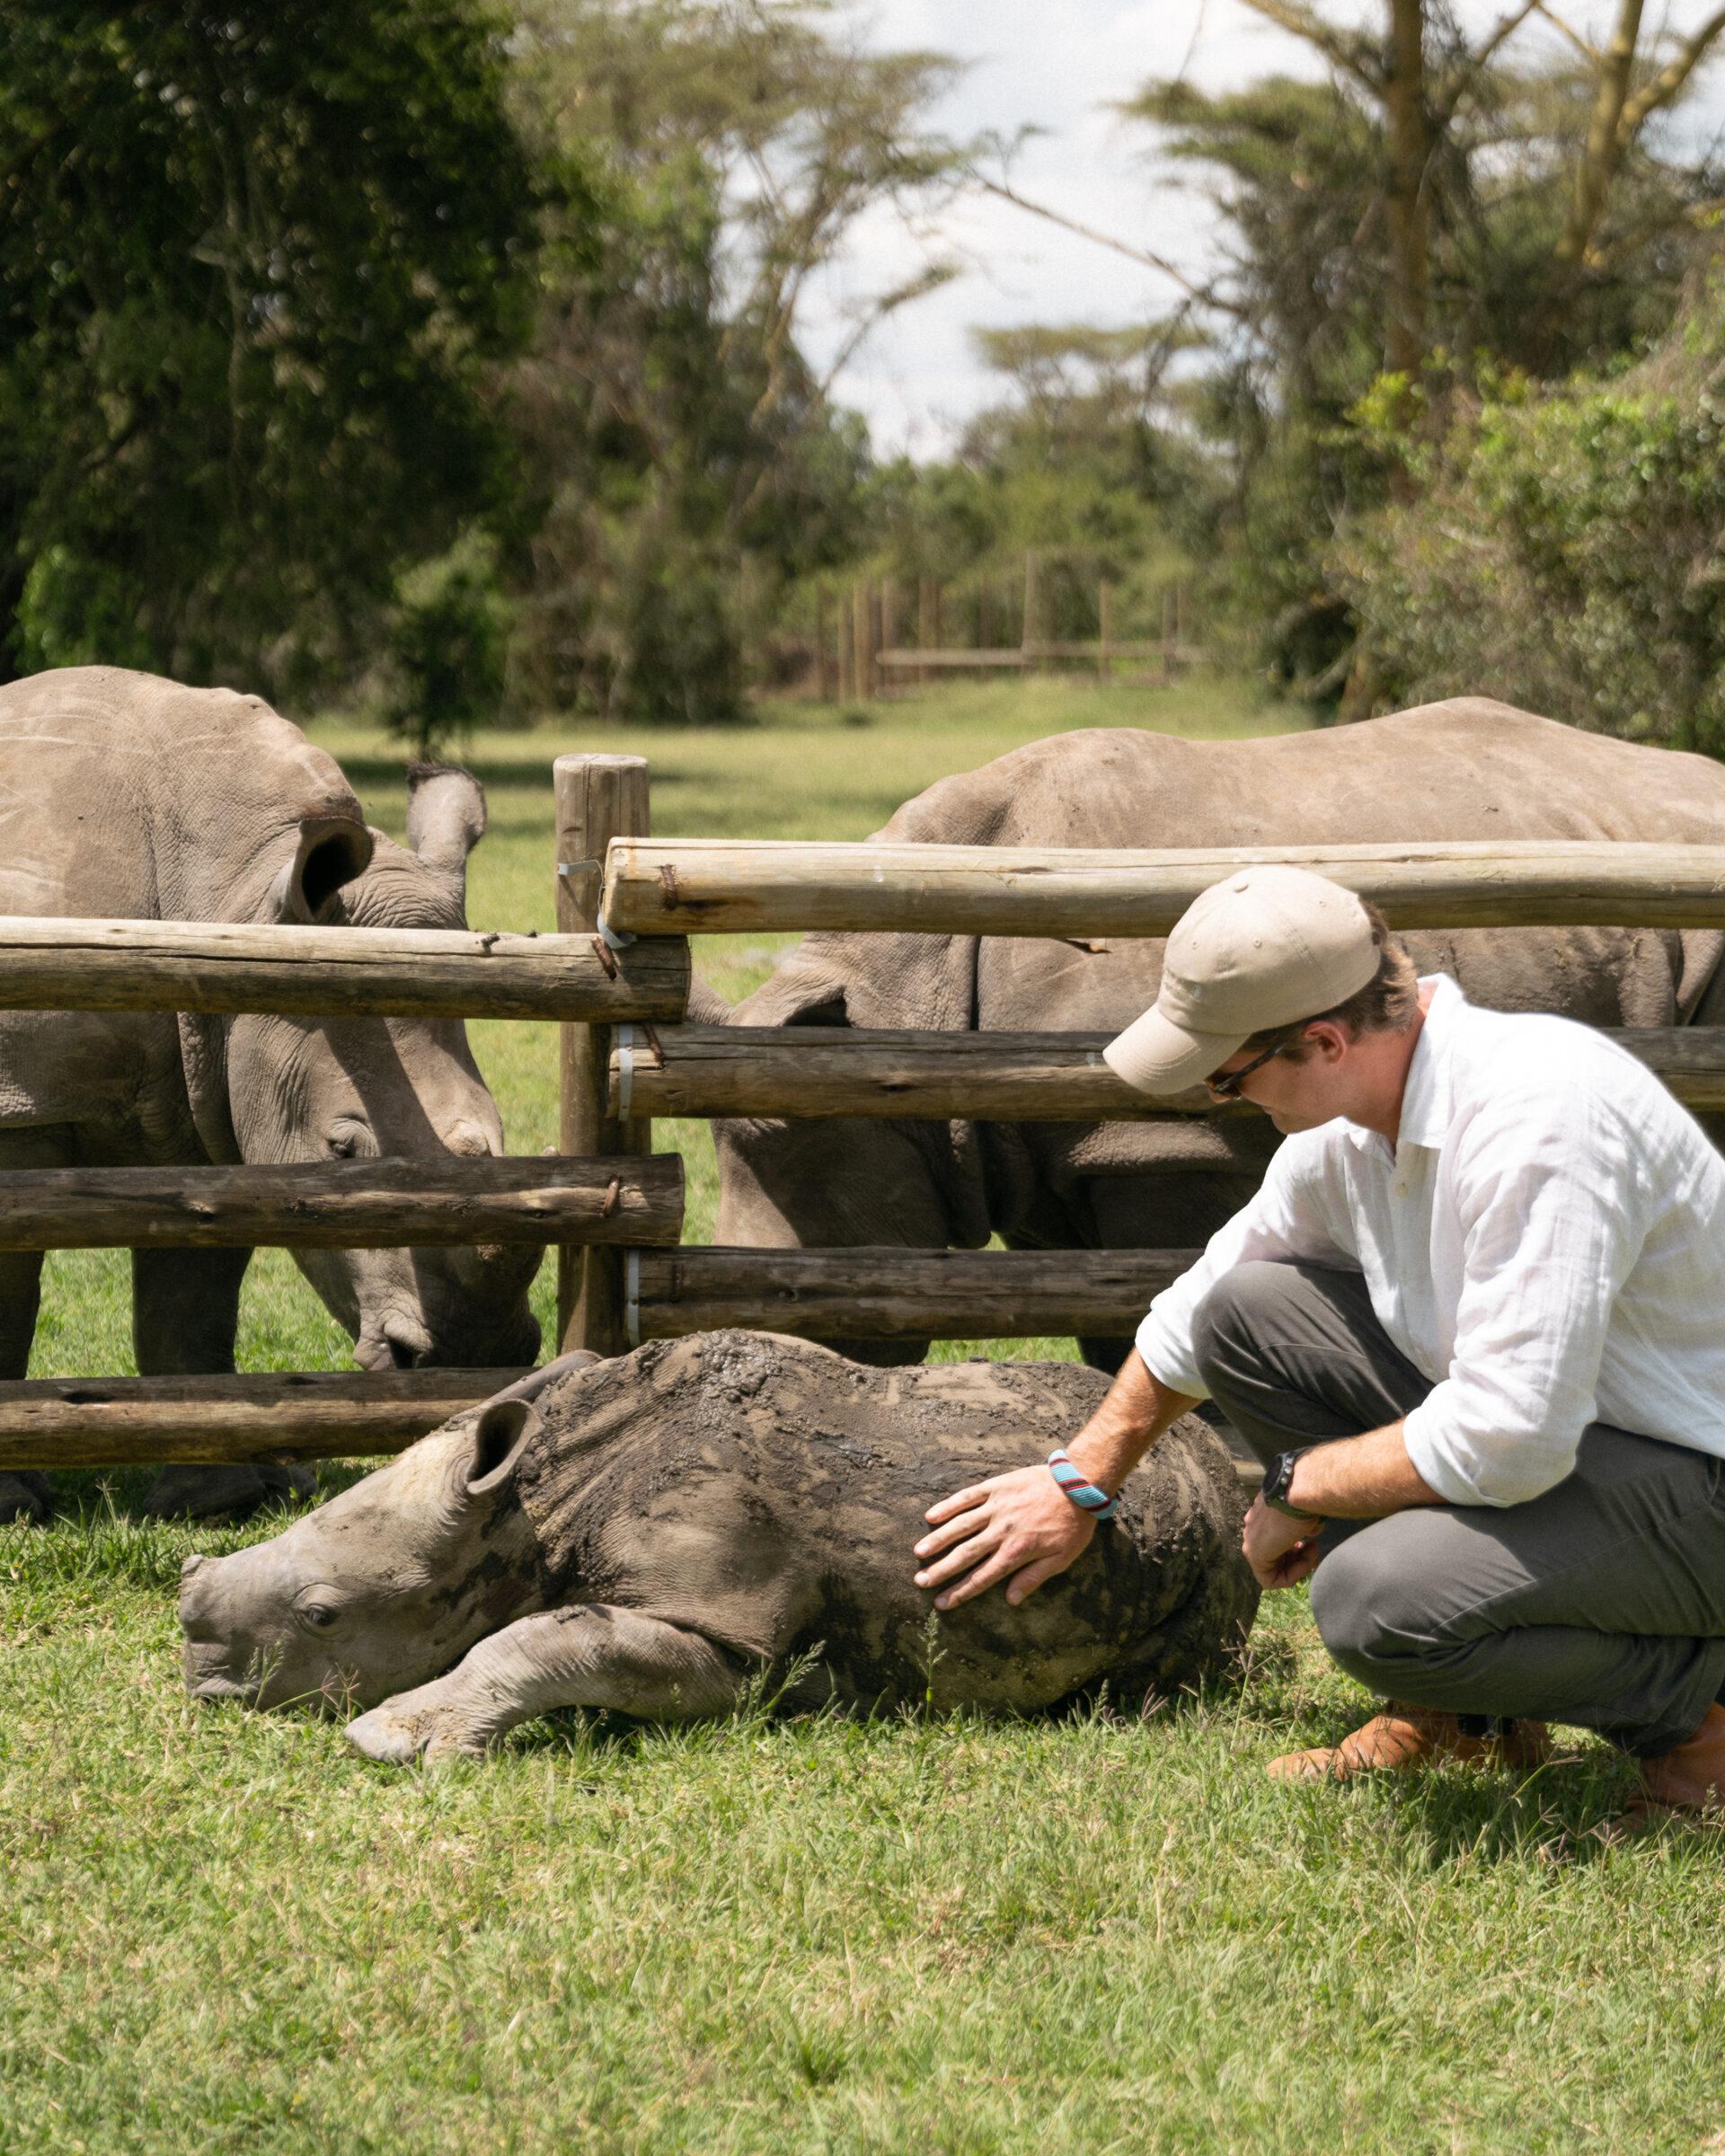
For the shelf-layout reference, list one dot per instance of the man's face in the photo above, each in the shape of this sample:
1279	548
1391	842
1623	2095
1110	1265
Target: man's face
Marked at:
1297	1095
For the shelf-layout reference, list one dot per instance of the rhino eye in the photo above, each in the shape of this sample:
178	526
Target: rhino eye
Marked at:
344	1144
319	1615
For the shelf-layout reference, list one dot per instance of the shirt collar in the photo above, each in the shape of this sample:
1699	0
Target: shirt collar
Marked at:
1425	1101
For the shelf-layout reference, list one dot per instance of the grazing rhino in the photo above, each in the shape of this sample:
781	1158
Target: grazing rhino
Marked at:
1468	769
125	796
648	1534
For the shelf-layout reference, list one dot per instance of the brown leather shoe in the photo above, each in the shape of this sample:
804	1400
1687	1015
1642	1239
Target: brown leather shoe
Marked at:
1688	1781
1404	1738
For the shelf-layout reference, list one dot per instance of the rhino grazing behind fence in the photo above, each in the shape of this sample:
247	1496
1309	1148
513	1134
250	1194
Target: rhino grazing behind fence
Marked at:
650	1534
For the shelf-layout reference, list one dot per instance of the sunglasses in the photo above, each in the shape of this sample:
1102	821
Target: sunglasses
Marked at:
1228	1087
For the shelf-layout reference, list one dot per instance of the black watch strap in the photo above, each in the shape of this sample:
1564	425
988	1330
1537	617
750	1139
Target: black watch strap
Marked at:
1279	1478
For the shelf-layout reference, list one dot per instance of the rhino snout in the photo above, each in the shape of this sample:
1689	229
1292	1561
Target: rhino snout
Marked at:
209	1651
400	1342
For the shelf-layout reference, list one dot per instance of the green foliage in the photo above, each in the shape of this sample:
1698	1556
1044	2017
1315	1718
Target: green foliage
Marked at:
250	289
448	640
1303	418
1562	550
1088	463
689	466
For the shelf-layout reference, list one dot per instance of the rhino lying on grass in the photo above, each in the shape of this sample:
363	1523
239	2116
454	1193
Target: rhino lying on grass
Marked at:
647	1534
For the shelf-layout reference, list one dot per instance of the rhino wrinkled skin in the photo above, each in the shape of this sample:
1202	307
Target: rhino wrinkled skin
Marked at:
649	1534
130	797
1468	769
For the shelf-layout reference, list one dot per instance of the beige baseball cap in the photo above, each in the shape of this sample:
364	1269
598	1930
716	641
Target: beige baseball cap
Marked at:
1263	948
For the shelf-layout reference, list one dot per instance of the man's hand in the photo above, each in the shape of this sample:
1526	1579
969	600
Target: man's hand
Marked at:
1281	1550
1020	1527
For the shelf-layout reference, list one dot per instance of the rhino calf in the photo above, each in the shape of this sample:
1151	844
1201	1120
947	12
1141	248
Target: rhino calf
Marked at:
649	1533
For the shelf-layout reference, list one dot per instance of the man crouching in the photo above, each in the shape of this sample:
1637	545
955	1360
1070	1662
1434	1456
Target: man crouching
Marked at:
1471	1324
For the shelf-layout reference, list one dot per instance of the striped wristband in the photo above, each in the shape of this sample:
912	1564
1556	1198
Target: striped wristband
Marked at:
1084	1494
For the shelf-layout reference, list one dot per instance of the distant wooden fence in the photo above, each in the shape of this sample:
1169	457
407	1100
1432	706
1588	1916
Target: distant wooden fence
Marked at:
858	653
616	976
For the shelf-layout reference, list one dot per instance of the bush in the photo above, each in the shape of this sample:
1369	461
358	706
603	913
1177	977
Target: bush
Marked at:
448	641
1566	551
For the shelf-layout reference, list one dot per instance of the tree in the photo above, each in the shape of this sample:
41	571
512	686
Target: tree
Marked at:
1356	304
691	462
1563	548
1425	74
256	265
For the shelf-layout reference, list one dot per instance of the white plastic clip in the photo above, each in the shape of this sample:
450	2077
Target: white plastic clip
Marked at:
631	1297
617	939
625	1071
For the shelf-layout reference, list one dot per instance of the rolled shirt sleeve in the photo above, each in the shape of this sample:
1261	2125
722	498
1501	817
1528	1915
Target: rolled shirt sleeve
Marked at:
1551	1202
1289	1218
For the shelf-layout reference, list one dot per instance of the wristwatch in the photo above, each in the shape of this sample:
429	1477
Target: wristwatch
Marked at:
1279	1478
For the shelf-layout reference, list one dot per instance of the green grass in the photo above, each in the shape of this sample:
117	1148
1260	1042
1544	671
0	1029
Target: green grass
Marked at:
219	1930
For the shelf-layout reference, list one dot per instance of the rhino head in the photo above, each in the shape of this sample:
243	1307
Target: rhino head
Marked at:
386	1585
275	1089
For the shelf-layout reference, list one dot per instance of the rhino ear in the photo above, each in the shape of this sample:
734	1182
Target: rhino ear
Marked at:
445	815
499	1435
332	850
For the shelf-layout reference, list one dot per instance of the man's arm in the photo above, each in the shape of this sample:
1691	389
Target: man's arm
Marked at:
1363	1478
1021	1527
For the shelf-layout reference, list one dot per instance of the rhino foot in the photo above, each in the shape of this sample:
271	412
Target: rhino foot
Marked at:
225	1493
25	1496
432	1723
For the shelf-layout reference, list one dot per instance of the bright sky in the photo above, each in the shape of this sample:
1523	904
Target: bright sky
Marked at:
1059	65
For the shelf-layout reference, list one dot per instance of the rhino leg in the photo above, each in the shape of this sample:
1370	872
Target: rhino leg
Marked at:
185	1313
592	1655
25	1493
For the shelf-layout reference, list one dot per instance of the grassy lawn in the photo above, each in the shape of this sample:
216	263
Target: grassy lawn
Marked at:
219	1930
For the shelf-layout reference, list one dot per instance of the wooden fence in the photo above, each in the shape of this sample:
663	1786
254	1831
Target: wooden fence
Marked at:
687	886
859	651
616	976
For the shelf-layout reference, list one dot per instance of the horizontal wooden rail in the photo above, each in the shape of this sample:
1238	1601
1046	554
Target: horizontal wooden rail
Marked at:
55	965
346	1205
954	659
814	1071
296	1415
874	1294
675	887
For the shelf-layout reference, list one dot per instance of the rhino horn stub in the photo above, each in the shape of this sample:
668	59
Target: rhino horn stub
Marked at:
445	815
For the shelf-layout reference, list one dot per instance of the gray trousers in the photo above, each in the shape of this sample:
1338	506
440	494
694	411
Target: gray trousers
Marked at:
1601	1602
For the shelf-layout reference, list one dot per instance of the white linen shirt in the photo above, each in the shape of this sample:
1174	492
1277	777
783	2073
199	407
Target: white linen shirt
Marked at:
1545	1242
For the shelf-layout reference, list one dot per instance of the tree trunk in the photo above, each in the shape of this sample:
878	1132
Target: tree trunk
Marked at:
1409	122
1598	164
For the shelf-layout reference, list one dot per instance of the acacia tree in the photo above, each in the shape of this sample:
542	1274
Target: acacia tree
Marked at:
690	458
1422	75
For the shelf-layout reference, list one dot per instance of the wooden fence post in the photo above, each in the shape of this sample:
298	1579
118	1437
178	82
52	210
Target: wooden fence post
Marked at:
928	622
1032	636
862	643
861	626
824	685
598	799
890	638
